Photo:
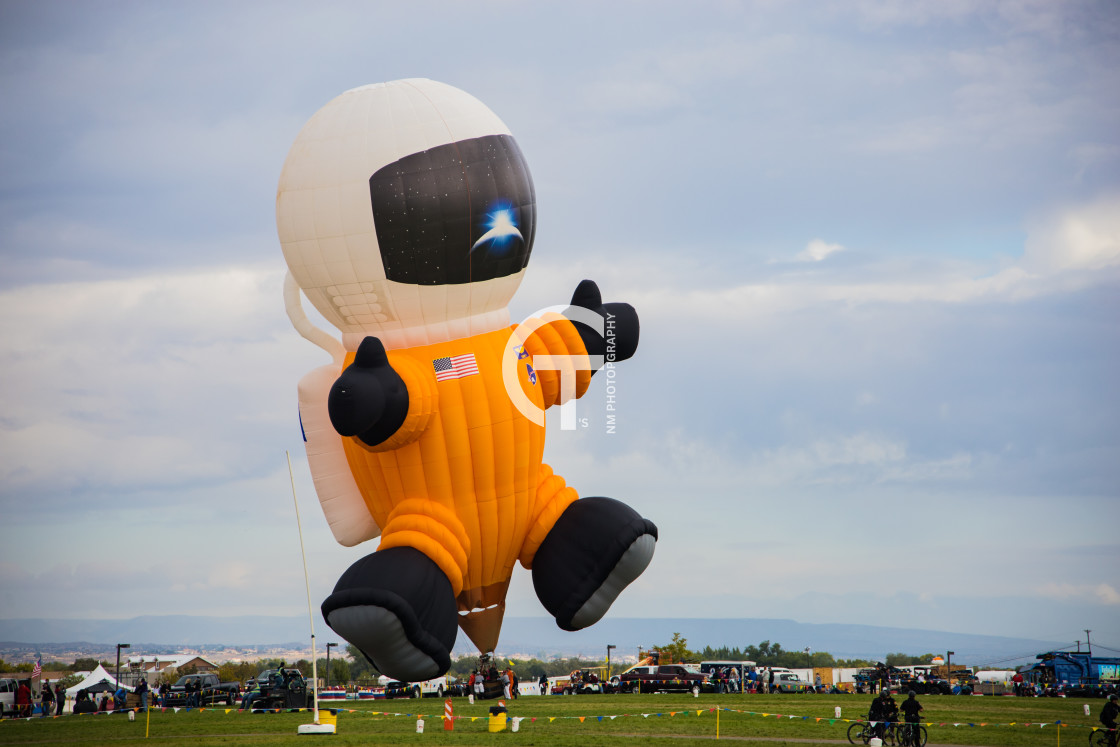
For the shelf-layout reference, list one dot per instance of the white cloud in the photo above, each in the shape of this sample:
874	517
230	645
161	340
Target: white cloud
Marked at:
1102	593
143	381
1086	237
1091	158
1067	251
816	250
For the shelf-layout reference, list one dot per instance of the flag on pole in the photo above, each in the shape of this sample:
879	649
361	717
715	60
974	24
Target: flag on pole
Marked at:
36	673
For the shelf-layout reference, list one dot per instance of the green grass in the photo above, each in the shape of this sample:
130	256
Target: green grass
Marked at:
557	722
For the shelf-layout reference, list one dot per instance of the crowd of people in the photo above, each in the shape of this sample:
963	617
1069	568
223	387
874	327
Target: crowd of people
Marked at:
51	699
762	681
480	677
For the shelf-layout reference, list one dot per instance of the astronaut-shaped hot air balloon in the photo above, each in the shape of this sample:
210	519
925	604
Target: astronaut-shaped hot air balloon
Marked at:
407	215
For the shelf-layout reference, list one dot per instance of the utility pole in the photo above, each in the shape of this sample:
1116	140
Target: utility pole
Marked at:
329	647
609	647
119	647
1088	645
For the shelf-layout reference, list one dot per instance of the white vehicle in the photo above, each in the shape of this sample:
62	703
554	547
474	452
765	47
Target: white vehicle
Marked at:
8	689
433	688
995	675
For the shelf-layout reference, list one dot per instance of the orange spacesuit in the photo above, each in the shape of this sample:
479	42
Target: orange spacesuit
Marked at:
466	465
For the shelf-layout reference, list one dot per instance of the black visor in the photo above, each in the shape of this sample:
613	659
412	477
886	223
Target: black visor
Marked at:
457	213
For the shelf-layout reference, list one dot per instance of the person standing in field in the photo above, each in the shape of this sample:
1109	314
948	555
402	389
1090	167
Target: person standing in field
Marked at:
46	699
910	710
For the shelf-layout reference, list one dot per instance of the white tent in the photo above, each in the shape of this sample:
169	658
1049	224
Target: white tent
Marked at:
95	677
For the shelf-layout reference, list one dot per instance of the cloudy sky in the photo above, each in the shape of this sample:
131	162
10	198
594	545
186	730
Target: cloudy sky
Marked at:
875	248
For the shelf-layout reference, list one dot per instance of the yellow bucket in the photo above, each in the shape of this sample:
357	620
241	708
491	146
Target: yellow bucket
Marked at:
328	717
498	722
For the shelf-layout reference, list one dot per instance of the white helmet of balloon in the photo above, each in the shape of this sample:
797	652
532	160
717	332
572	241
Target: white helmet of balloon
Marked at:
380	188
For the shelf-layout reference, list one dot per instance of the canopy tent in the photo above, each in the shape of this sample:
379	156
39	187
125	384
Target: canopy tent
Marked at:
95	679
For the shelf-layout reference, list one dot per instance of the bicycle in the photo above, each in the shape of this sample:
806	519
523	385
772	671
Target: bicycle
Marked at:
1102	737
912	735
861	731
864	730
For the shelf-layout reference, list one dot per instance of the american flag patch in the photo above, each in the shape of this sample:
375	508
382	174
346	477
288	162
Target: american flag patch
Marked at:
455	367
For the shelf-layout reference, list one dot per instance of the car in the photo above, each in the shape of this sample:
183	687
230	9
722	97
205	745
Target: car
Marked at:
788	682
580	682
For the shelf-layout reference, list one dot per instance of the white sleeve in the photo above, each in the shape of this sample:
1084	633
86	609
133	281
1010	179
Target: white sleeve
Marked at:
339	495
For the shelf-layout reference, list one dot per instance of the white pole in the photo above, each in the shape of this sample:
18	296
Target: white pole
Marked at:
307	584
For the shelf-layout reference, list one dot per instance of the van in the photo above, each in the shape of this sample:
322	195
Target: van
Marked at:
8	689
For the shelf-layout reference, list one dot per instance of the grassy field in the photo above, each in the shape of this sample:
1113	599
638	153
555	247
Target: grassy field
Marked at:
579	721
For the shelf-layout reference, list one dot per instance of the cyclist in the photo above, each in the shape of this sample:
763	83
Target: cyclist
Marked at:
883	711
1108	717
910	710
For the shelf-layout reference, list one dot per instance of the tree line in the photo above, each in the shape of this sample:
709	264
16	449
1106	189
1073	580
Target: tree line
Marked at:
769	654
354	669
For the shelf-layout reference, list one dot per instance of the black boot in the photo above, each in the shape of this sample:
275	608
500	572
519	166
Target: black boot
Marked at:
398	608
597	547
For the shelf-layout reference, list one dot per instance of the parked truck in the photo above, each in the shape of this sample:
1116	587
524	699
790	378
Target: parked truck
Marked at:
663	678
1062	670
209	688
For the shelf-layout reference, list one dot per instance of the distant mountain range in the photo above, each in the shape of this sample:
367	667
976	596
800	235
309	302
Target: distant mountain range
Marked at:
533	636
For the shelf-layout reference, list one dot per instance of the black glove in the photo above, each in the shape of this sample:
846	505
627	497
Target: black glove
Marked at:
620	322
369	400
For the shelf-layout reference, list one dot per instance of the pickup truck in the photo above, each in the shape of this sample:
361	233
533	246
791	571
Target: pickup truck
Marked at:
433	688
275	689
212	690
664	678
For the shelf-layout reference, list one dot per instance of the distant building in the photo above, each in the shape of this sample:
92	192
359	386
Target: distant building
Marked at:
154	665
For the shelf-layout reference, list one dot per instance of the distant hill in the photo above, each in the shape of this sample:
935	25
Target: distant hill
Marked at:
533	636
162	630
539	635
